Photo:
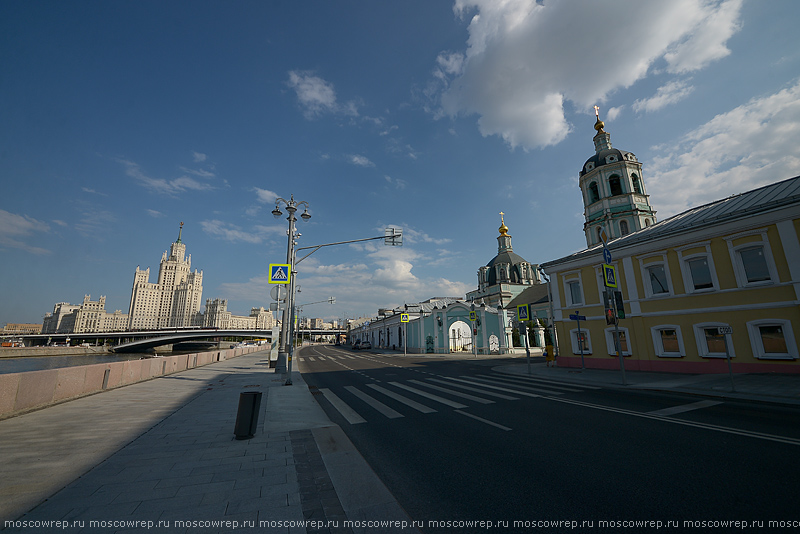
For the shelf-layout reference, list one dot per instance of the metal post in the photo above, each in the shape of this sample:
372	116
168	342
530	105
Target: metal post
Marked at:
580	339
728	357
610	294
283	352
291	326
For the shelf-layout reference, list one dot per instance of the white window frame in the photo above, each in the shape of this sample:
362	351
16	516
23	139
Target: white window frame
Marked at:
702	346
648	287
688	281
738	264
758	346
573	338
612	350
566	278
658	345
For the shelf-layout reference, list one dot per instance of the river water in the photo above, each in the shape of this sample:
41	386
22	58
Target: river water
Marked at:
37	363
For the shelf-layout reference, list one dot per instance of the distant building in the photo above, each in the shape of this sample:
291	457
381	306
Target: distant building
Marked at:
505	276
21	328
217	316
173	301
88	317
439	325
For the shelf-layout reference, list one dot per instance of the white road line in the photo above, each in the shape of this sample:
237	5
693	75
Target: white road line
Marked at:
476	390
482	420
685	407
347	412
526	387
375	403
431	396
399	398
725	429
454	393
507	390
538	382
311	358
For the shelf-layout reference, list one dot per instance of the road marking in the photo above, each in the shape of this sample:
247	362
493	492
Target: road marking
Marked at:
431	396
516	385
347	412
454	393
685	408
399	398
311	358
482	420
717	428
476	390
375	403
539	382
507	390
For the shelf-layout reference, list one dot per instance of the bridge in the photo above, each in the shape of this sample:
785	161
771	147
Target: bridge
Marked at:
136	341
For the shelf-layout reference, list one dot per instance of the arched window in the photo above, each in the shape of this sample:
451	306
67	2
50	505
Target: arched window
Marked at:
623	228
637	187
647	222
594	195
614	185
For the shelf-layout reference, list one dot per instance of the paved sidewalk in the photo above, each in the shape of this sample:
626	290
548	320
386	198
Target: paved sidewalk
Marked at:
164	451
776	388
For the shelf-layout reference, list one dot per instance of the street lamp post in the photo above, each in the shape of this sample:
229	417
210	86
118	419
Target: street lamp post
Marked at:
284	355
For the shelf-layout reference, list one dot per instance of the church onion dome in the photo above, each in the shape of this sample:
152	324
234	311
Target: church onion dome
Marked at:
606	157
505	256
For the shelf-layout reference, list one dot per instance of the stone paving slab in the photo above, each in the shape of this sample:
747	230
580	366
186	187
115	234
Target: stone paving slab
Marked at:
164	451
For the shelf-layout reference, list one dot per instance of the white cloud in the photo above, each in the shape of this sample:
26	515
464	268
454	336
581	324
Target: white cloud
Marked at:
199	157
160	185
317	96
361	161
13	227
235	234
265	196
667	94
155	214
752	145
524	60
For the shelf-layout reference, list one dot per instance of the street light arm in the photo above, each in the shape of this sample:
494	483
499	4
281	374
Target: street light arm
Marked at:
317	247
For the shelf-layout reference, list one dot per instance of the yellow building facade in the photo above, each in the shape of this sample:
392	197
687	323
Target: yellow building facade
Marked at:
734	263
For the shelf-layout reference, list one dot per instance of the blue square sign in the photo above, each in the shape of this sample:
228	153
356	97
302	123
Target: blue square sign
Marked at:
280	273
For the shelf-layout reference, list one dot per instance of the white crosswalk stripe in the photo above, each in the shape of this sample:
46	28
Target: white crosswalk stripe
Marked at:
539	382
375	403
431	396
473	389
399	398
454	393
347	412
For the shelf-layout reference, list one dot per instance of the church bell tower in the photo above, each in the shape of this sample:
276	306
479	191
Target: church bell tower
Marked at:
615	200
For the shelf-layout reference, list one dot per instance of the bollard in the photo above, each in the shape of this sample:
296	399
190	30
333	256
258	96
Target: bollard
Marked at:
247	416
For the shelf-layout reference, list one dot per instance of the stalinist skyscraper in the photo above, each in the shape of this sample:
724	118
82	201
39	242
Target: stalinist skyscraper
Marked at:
174	301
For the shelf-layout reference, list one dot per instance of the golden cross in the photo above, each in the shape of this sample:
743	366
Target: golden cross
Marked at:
597	112
501	217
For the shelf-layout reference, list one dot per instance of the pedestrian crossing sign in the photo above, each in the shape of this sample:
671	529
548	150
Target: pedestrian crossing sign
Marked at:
473	316
522	312
280	273
403	317
609	275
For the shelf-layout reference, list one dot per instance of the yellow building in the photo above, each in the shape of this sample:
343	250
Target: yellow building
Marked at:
733	263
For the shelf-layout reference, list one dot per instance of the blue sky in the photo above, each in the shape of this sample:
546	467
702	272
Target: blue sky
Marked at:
122	119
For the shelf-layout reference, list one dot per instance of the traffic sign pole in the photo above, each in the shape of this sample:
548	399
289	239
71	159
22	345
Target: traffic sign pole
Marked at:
724	331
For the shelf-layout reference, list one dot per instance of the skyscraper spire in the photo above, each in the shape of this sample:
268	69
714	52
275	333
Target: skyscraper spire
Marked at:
179	233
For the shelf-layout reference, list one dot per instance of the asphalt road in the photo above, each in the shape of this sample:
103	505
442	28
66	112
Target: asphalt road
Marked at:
456	441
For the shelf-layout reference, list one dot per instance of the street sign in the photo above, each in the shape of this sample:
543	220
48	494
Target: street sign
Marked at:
522	312
403	317
473	316
724	330
280	273
576	317
606	255
609	275
278	293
